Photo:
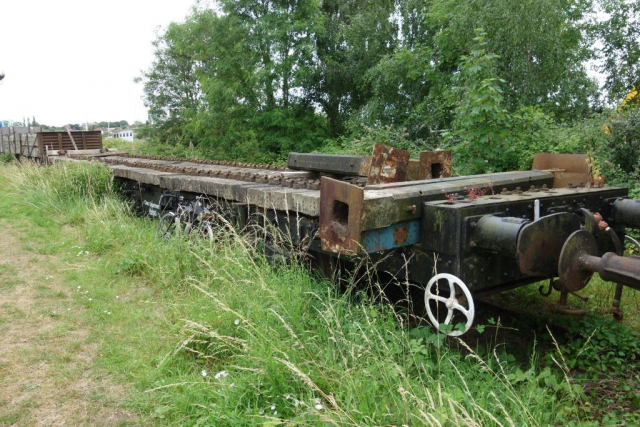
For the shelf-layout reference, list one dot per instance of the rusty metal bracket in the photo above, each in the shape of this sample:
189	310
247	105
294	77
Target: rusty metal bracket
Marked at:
388	164
435	164
569	170
340	216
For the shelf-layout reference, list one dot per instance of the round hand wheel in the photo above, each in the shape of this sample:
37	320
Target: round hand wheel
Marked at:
451	303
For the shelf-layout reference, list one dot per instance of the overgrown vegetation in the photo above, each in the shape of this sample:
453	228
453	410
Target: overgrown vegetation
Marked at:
216	335
253	80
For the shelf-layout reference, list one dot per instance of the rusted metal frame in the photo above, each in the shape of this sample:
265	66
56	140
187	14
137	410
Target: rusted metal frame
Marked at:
341	231
340	216
435	164
568	169
75	147
388	164
386	206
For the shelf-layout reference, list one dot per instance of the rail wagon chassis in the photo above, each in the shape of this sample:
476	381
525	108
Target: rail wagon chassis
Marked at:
459	238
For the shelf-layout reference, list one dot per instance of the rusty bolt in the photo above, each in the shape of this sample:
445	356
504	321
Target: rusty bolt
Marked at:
412	209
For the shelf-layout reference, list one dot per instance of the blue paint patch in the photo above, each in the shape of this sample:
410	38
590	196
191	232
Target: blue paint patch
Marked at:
395	236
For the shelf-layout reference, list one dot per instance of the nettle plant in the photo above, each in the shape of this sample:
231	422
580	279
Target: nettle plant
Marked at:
482	123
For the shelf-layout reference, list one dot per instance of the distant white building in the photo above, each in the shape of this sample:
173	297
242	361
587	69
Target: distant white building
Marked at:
125	134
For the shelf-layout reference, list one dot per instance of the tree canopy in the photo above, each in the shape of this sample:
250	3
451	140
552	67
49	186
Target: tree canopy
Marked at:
255	79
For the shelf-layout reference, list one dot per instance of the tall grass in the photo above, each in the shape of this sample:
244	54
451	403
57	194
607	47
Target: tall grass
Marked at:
250	343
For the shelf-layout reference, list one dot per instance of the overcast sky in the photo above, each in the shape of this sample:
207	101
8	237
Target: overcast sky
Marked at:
71	61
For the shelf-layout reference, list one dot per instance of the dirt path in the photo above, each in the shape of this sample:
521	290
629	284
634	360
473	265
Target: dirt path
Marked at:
46	352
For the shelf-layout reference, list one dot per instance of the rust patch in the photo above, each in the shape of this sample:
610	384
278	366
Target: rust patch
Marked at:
388	164
400	235
340	216
435	164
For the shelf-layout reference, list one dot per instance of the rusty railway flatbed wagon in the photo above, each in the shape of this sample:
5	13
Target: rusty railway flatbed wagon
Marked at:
459	238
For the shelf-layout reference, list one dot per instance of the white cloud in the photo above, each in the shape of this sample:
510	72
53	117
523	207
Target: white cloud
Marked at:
70	61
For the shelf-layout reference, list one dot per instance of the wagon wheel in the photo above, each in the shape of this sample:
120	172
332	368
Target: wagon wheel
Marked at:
459	295
201	230
171	225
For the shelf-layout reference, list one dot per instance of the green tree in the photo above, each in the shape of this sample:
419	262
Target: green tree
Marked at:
355	36
624	144
171	87
543	47
481	123
620	38
236	81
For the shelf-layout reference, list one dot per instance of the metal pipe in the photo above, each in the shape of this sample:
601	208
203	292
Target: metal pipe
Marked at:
498	234
614	268
627	212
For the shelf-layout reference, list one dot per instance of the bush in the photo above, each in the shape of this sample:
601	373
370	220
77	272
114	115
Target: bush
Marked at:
7	158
